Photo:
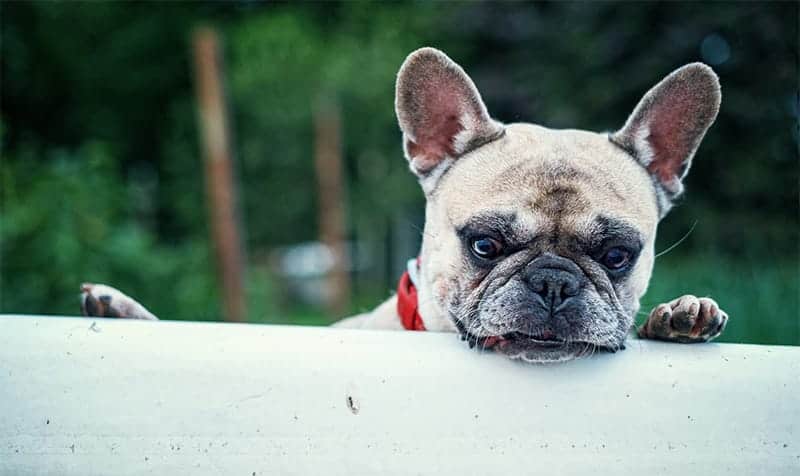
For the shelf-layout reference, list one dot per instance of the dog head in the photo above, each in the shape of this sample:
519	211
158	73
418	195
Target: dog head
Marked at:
540	242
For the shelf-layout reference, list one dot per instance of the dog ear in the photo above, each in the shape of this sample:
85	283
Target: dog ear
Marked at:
665	129
440	113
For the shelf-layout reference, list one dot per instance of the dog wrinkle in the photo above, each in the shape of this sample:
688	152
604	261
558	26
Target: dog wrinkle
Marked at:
558	200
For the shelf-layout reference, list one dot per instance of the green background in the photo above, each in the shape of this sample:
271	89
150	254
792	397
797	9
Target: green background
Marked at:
101	177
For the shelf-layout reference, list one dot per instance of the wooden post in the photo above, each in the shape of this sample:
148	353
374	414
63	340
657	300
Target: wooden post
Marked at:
220	187
332	227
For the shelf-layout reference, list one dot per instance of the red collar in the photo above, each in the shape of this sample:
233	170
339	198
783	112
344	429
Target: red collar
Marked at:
407	302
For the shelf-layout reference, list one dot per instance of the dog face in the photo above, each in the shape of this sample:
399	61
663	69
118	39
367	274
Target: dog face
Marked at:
539	242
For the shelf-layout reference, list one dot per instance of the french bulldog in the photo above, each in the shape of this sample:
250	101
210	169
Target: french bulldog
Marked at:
538	243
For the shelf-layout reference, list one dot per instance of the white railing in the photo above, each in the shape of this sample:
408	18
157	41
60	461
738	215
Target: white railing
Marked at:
110	397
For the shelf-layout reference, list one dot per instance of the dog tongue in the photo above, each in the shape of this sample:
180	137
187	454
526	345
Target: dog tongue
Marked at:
492	341
547	335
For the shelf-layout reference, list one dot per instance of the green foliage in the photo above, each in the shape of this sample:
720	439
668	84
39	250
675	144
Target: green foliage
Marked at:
102	177
286	64
65	222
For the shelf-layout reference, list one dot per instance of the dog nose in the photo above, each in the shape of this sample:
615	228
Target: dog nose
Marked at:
554	286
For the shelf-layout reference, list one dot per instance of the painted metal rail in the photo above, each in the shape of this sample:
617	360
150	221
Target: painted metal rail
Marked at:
110	397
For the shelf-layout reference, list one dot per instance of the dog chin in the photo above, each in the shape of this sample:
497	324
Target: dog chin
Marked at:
530	350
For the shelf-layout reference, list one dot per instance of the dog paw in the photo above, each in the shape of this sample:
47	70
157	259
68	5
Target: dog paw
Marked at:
99	300
688	319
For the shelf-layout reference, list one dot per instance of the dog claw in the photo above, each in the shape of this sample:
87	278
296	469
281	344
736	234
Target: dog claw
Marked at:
687	319
99	300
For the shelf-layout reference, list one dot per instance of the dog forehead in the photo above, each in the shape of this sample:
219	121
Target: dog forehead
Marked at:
544	175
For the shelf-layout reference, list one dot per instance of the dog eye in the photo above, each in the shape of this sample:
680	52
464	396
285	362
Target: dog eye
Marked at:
616	258
485	247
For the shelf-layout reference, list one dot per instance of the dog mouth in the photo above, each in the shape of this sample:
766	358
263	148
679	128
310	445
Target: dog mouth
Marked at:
543	343
546	339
